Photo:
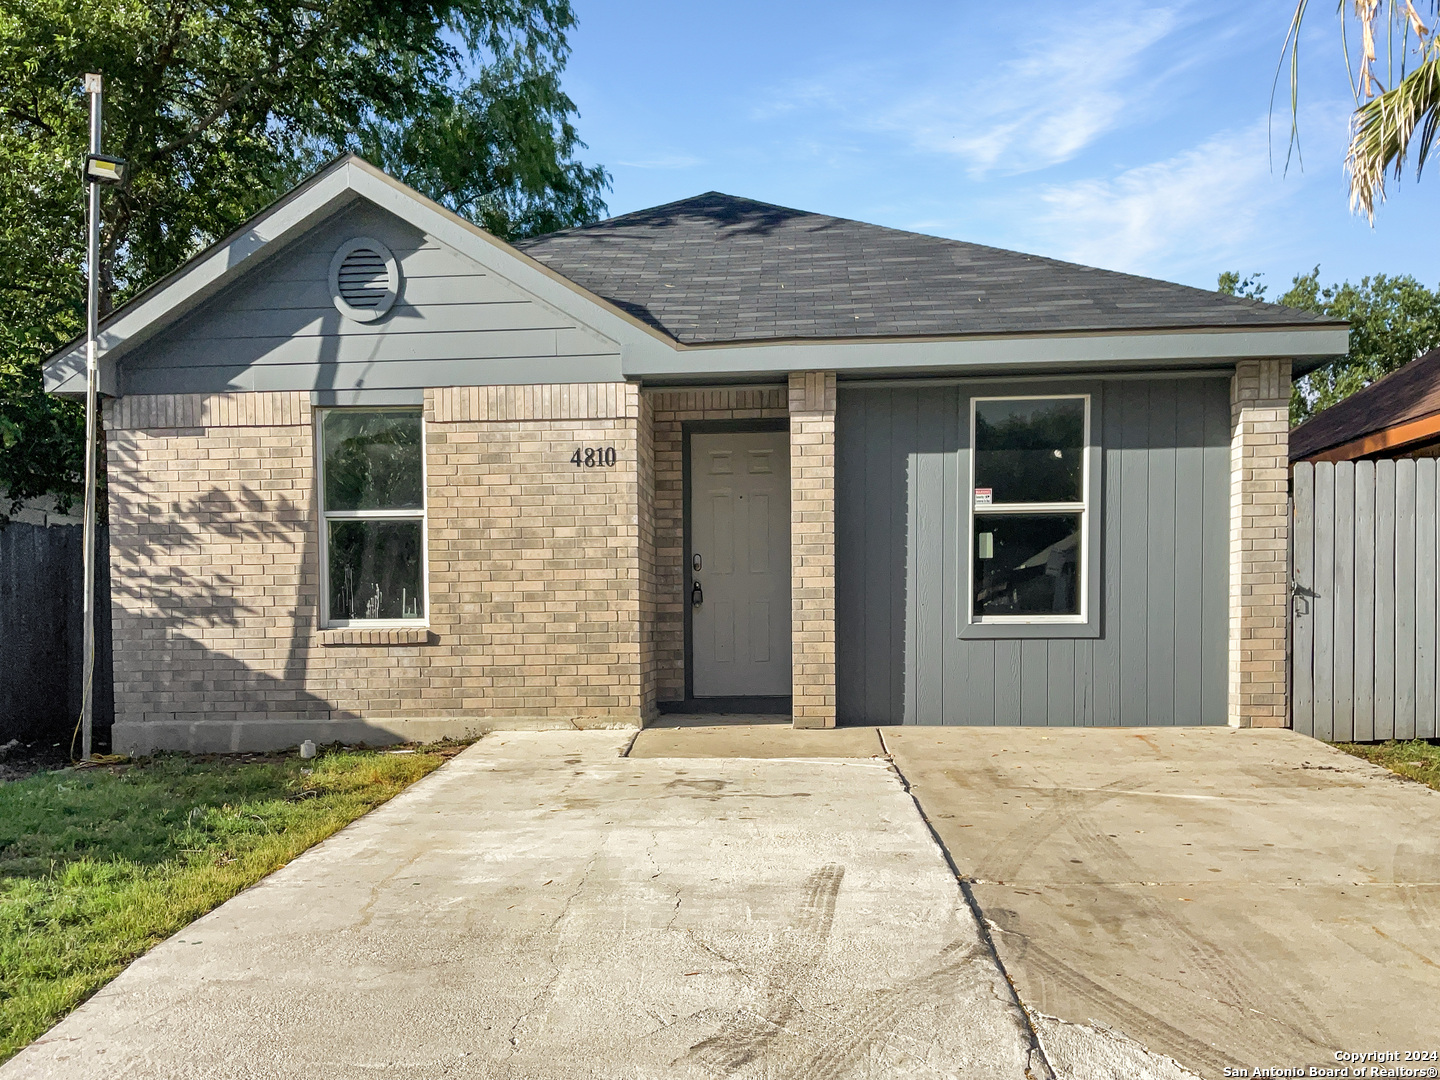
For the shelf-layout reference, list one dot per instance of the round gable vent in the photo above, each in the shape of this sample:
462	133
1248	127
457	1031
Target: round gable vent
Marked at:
364	279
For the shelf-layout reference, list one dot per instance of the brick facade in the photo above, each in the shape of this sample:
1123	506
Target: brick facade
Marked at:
649	586
534	574
556	593
812	546
1259	535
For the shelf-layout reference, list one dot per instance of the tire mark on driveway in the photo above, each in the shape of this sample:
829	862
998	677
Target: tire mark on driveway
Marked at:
743	1036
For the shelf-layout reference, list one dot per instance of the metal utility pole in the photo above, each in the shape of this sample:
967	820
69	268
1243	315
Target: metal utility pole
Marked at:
92	386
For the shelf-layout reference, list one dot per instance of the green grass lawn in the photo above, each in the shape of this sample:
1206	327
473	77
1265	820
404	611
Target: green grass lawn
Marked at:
99	864
1418	760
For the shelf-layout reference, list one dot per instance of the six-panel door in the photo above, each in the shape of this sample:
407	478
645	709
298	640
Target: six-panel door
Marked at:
740	539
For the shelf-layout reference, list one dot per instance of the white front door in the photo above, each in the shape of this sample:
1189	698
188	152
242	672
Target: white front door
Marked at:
740	557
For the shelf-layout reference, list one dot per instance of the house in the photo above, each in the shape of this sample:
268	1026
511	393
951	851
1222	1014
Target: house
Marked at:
376	474
1397	416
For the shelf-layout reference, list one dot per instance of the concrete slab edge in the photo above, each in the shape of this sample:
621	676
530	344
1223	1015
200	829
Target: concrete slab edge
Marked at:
1039	1067
249	736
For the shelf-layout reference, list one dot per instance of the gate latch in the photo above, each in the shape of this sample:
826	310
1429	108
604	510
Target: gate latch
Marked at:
697	595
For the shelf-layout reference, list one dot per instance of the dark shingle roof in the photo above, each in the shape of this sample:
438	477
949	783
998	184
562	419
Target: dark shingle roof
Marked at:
1408	393
720	268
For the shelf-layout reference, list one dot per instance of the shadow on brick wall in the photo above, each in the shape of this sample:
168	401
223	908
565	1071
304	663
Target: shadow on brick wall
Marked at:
218	598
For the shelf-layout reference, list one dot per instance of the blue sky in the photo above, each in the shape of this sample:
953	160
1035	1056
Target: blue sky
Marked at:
1124	135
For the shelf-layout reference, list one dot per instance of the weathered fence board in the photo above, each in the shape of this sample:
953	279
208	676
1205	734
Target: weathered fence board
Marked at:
1324	601
1302	682
1364	683
1425	614
1343	686
1365	630
41	593
1404	599
1384	599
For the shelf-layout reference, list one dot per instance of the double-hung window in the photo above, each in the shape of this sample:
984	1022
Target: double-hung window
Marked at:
372	487
1030	535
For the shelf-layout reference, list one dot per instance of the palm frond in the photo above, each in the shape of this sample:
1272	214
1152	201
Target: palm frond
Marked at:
1381	132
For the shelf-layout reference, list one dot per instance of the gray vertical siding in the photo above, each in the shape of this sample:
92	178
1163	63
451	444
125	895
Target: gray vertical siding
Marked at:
1163	497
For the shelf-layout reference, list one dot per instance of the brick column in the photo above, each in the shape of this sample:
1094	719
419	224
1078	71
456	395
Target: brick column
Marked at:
1259	531
812	547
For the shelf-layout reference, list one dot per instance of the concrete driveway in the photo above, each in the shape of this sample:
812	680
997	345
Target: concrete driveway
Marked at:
1227	898
753	901
543	907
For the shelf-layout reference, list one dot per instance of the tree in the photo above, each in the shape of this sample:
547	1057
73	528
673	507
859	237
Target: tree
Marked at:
1392	321
1384	125
220	107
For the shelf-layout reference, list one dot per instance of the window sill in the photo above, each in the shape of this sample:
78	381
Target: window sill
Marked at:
999	631
386	635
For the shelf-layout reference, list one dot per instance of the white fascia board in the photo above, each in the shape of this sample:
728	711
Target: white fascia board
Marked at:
1070	352
197	282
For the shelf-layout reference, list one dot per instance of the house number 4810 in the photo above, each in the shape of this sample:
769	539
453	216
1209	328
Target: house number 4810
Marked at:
590	457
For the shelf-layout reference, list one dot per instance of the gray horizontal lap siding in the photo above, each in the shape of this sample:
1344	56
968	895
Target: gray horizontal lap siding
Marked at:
454	324
1163	496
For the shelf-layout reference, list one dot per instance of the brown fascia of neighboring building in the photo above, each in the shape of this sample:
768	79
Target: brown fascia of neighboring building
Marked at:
1395	417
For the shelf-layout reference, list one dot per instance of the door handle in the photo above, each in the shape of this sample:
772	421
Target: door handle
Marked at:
697	595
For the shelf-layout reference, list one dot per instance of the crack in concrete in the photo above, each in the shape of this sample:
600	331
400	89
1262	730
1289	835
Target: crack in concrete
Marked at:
367	909
553	931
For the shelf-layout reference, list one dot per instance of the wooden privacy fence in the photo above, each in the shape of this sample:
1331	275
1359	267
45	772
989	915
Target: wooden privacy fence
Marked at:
41	629
1365	621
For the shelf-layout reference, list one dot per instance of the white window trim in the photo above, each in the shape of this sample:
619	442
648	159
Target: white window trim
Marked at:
327	516
1083	508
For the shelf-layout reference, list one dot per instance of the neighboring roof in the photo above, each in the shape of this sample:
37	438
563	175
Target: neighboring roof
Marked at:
717	268
1405	395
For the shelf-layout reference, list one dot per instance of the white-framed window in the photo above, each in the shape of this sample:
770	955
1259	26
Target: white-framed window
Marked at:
372	497
1029	509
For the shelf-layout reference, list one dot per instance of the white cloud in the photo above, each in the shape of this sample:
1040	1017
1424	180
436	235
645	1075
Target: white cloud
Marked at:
1200	206
1039	109
1049	104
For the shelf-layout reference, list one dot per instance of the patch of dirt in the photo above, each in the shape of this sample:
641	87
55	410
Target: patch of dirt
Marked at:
21	759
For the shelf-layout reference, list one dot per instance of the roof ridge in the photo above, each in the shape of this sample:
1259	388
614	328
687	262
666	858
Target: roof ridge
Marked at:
647	210
970	245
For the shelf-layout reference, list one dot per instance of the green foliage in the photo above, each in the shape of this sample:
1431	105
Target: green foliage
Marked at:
1392	321
98	865
222	107
1397	107
1250	287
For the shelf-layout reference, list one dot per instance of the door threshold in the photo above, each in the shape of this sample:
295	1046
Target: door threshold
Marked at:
721	706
